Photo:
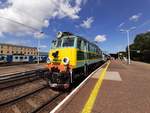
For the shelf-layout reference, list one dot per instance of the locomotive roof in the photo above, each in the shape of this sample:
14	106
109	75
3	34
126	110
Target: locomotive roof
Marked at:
71	34
88	41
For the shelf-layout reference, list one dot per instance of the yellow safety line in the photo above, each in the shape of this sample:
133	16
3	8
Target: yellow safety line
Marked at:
91	100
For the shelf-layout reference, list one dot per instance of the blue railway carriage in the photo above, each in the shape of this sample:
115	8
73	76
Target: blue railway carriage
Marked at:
4	59
21	58
42	58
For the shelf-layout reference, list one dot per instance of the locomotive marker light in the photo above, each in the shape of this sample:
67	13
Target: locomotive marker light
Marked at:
48	60
59	34
65	60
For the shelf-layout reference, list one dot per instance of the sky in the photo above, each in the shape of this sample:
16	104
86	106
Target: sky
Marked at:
96	20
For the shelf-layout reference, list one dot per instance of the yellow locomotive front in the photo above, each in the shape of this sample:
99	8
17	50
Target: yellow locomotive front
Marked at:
62	60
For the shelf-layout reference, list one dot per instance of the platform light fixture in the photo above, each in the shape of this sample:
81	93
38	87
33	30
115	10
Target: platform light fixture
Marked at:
128	36
39	35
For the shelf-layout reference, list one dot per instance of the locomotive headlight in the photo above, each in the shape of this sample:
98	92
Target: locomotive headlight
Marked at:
65	60
49	60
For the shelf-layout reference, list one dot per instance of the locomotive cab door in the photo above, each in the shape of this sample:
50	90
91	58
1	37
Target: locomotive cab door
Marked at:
85	57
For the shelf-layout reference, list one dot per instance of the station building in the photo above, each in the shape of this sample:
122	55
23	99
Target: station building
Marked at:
11	49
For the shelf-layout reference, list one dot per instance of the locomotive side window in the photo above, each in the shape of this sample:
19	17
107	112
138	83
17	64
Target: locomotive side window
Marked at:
83	46
79	44
68	42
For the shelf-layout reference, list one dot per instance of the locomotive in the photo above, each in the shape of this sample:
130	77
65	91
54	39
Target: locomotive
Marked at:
71	56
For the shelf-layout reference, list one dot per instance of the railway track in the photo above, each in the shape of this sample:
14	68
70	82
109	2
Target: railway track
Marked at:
31	102
31	96
12	80
26	92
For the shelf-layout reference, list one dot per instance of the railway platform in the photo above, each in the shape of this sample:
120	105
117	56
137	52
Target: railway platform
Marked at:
116	87
9	70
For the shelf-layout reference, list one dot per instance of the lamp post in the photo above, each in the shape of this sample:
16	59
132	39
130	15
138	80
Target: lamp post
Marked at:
39	35
128	36
38	51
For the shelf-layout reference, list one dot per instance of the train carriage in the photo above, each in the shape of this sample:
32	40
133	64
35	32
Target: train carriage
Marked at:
71	56
13	59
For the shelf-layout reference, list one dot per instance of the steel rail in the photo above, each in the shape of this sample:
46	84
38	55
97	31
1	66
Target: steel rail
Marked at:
46	103
18	98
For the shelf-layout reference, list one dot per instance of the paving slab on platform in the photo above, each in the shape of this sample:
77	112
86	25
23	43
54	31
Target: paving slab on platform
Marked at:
112	75
125	89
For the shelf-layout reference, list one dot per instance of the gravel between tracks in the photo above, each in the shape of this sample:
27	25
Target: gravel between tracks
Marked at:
9	93
30	103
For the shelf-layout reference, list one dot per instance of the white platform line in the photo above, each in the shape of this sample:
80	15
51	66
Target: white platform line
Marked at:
57	108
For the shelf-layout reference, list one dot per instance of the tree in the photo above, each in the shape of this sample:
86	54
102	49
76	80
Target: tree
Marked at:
140	46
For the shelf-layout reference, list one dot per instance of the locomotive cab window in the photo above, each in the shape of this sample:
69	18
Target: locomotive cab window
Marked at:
59	41
68	42
53	44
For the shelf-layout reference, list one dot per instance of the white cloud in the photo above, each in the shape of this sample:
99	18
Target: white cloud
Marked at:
135	17
120	25
1	34
87	23
35	13
43	46
19	42
100	38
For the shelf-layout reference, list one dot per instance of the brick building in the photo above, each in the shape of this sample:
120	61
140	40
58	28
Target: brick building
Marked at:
10	49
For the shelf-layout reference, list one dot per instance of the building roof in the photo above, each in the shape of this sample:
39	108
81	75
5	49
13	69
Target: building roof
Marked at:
7	44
